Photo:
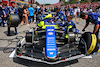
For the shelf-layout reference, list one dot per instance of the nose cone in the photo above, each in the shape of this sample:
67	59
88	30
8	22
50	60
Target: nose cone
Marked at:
51	49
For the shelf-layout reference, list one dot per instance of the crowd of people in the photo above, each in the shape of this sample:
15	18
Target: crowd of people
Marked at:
27	13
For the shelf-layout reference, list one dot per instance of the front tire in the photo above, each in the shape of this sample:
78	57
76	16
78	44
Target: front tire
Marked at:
91	42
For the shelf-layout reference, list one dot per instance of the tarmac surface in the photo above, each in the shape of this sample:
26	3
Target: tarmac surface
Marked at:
5	61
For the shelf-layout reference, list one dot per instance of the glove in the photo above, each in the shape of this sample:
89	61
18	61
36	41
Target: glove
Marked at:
83	30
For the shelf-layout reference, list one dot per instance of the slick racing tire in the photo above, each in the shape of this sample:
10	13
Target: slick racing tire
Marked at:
13	20
91	42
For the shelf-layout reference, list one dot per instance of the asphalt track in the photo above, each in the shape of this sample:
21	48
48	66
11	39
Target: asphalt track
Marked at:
5	61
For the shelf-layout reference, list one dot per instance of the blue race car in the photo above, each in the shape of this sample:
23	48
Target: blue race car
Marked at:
51	44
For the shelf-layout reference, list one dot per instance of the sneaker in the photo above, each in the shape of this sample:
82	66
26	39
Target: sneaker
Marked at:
27	24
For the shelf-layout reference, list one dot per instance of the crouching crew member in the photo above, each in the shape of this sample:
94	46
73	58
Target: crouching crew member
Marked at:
69	25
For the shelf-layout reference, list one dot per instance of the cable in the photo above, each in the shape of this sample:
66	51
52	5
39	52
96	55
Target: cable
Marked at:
8	49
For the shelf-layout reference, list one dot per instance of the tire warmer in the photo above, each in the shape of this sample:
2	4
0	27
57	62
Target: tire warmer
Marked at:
51	49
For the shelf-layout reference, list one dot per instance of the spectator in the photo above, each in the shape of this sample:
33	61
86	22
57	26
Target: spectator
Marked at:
46	10
24	16
31	13
20	12
75	14
55	8
6	11
98	11
52	9
1	14
89	10
4	14
78	12
68	11
36	12
84	10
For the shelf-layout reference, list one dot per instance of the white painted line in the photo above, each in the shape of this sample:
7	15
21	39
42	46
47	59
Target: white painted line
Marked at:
87	57
13	53
22	40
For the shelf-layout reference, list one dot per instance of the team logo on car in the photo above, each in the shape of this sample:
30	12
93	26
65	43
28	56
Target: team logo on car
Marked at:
50	30
50	33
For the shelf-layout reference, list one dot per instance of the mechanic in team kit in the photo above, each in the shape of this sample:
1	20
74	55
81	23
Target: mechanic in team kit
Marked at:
94	19
69	25
12	10
69	22
59	15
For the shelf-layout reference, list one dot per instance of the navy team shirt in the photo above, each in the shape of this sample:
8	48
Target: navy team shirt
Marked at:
93	18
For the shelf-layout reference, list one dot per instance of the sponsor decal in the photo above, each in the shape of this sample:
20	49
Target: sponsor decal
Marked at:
50	44
50	49
50	33
50	38
51	53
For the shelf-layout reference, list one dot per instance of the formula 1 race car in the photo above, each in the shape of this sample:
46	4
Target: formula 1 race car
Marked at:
50	44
